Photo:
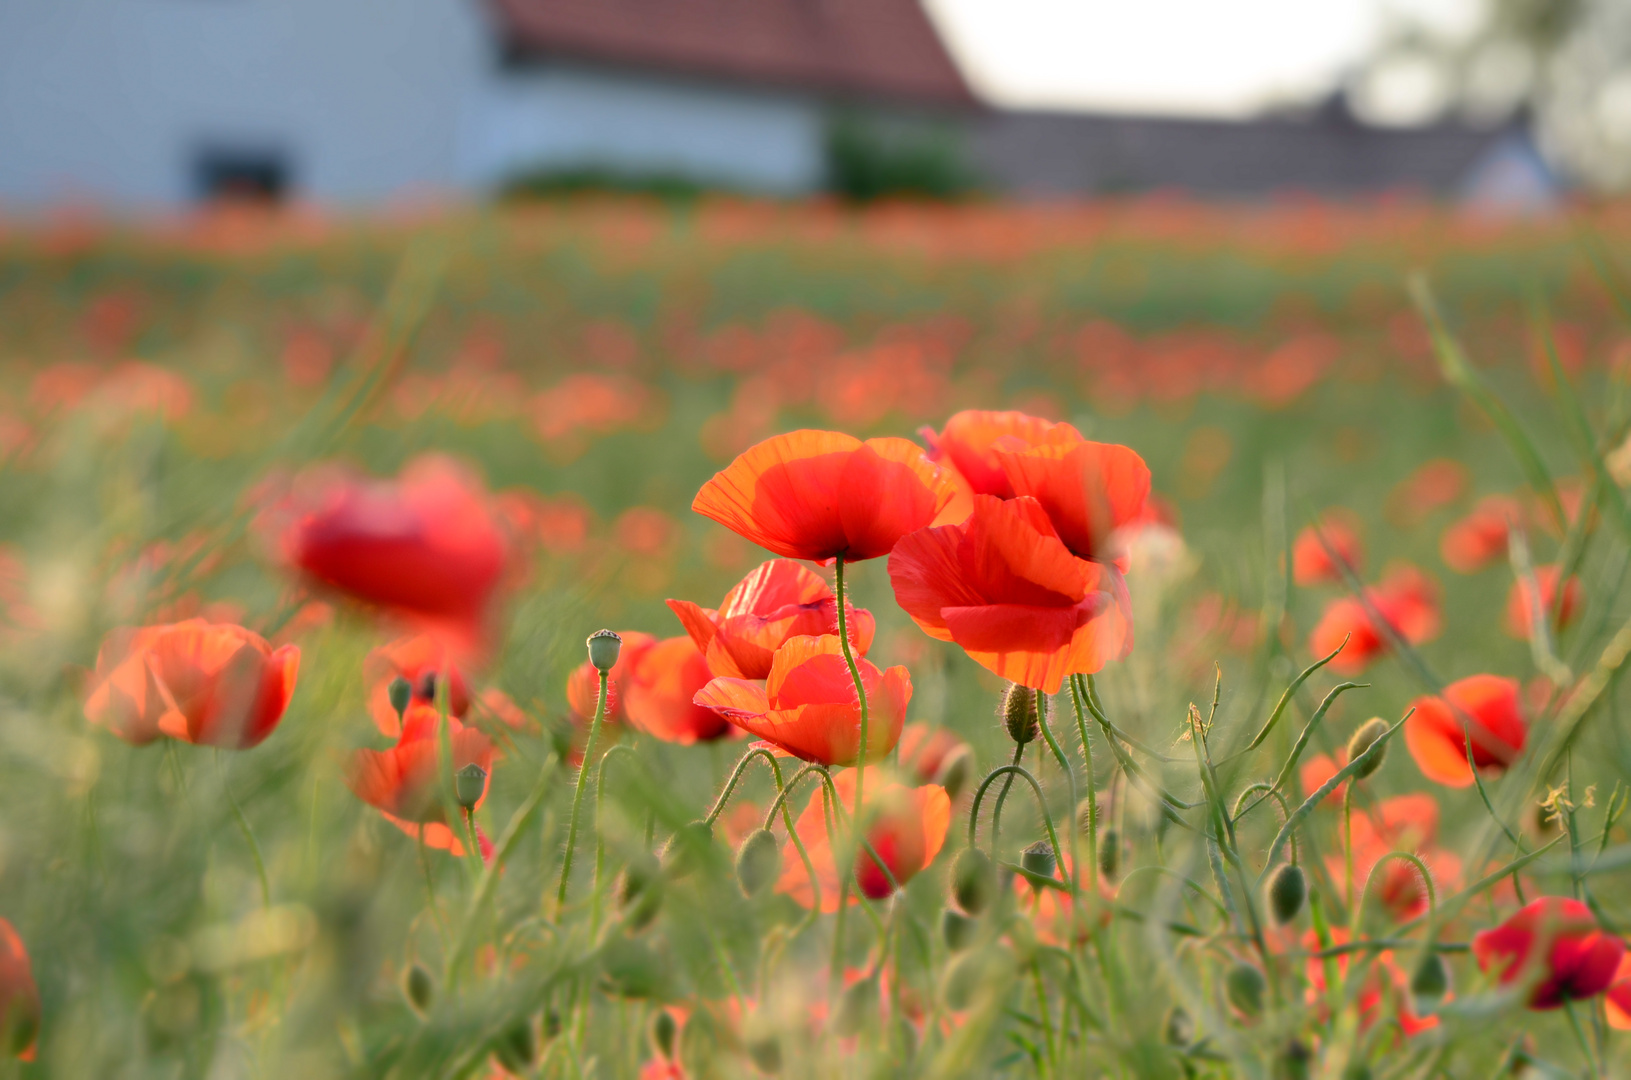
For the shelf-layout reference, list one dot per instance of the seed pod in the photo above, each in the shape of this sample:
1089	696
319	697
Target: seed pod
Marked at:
1180	1027
758	862
1361	740
1287	889
1293	1062
1019	713
973	880
419	987
516	1047
604	648
1038	859
1430	981
1110	853
957	929
956	771
664	1031
856	1007
469	784
1244	986
400	693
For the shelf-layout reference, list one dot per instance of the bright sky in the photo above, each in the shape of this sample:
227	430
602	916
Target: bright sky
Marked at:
1218	57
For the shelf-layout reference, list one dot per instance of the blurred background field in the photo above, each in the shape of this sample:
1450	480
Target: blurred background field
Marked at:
596	360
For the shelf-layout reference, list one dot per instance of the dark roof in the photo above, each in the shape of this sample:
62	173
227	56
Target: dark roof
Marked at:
878	49
1327	152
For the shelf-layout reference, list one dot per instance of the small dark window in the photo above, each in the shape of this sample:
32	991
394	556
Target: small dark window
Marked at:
242	175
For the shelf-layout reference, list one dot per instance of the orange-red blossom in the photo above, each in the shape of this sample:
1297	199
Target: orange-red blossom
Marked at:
402	783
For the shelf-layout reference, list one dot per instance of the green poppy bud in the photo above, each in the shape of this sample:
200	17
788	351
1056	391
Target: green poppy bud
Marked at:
1431	980
1038	859
551	1025
516	1047
973	880
1244	986
857	1006
469	783
639	891
419	987
630	969
1019	713
1362	740
1180	1027
763	1044
1287	889
956	771
957	929
664	1031
1294	1062
400	693
758	862
688	847
604	648
1110	853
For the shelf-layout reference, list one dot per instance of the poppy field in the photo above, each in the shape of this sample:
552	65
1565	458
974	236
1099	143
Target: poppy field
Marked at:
622	640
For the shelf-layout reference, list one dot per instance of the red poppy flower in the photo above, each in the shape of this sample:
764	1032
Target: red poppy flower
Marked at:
1520	605
659	691
1004	587
428	545
1617	1001
401	782
203	683
971	438
822	494
1437	732
1088	489
420	660
908	826
1479	539
1318	770
1406	823
1311	562
808	705
1407	600
583	685
923	750
1051	911
19	997
1556	942
779	600
1369	1001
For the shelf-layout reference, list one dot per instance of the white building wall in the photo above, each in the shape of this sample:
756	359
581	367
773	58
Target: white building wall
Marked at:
558	115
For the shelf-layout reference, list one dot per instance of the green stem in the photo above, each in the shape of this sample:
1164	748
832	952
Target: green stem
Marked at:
1002	797
249	836
1092	792
860	691
1070	786
577	796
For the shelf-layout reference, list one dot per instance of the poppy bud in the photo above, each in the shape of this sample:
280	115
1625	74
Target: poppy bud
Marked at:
1038	859
957	929
763	1045
1287	889
400	693
1019	713
686	850
1362	740
1180	1027
1244	986
758	862
629	969
1431	980
1293	1062
639	891
973	880
664	1030
1110	853
419	987
857	1005
604	647
551	1025
516	1047
976	972
956	771
468	785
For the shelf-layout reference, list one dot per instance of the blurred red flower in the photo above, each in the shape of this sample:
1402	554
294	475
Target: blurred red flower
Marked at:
1406	599
1005	588
1311	562
1434	484
19	997
1554	942
1371	992
203	683
1617	1001
1404	823
1088	489
1437	732
808	705
970	439
402	784
907	828
1521	606
428	545
420	660
779	600
924	749
822	494
659	690
1319	769
1477	540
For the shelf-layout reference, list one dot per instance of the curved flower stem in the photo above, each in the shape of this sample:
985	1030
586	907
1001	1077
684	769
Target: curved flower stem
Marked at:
1070	787
577	796
249	835
1427	879
600	843
736	776
1002	797
860	690
1041	803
